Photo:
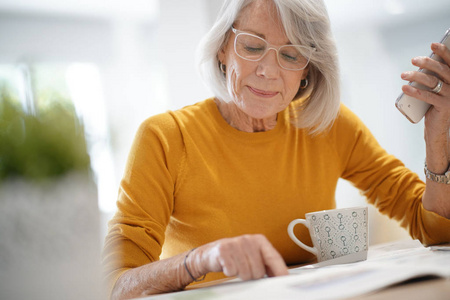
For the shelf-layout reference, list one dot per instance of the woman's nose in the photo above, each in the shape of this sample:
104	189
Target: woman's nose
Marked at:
268	66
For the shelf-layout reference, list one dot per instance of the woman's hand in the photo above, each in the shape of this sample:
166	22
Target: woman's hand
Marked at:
438	117
247	257
437	124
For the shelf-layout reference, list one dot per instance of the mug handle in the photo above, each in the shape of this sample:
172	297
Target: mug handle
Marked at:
295	239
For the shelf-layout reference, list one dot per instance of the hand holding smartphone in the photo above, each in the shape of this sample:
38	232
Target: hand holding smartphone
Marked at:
415	109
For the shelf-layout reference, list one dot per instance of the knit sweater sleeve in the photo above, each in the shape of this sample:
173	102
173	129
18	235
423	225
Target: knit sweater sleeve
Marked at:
385	181
145	201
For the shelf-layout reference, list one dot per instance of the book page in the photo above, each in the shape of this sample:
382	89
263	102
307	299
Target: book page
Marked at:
387	264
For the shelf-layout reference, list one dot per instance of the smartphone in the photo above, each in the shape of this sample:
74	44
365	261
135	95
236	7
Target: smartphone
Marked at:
415	109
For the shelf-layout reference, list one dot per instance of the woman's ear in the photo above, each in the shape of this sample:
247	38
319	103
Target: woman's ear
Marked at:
222	53
221	56
305	72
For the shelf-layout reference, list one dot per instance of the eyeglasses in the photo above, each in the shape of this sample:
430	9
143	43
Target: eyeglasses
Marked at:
253	48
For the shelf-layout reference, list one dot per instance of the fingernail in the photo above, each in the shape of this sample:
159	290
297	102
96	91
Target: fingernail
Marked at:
435	46
408	88
405	75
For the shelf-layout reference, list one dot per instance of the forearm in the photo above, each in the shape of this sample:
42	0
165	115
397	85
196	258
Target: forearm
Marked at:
162	276
437	123
247	257
437	195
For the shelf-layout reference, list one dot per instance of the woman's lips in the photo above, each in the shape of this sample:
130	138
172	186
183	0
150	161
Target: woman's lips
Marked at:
261	93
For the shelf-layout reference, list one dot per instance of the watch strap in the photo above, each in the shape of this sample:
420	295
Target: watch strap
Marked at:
445	178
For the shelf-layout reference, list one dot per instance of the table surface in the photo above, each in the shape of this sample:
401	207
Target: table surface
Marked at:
430	288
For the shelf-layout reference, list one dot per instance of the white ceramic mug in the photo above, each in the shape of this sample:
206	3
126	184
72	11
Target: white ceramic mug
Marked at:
335	233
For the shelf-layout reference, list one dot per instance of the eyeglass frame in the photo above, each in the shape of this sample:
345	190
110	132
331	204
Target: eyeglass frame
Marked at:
238	32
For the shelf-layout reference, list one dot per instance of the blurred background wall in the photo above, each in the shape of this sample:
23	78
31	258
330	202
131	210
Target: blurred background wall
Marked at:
123	61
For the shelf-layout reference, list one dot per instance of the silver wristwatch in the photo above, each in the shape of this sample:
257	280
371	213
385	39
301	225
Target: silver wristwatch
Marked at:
437	178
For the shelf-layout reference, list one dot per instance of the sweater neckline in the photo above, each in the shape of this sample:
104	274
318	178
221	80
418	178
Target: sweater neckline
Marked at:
229	130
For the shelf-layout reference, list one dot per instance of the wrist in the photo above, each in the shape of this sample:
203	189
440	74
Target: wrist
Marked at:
437	153
191	266
438	167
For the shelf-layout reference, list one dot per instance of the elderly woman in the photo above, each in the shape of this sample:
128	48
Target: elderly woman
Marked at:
212	187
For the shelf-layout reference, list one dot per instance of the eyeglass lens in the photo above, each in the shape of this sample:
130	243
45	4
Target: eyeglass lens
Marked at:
254	48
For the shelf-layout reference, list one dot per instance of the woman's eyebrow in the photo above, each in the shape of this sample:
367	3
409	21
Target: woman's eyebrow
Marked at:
254	32
261	35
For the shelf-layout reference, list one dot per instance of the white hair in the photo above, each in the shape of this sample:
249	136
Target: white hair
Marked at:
305	22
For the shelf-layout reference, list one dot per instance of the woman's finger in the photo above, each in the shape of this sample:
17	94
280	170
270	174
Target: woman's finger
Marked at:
255	257
420	77
226	255
247	257
426	80
442	51
241	259
438	101
441	69
249	261
275	265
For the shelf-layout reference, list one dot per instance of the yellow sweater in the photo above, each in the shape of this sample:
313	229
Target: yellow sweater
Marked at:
192	179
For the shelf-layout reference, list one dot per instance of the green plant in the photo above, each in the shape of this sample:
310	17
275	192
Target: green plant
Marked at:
48	144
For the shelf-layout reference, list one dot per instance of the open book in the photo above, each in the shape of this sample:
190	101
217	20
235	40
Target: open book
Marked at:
386	265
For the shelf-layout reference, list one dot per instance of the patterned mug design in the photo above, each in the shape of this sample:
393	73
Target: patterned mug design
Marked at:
335	233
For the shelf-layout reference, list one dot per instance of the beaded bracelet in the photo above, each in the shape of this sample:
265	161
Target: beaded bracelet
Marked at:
190	274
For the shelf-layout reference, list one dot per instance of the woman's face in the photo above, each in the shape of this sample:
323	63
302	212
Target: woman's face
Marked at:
262	88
